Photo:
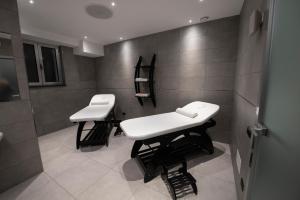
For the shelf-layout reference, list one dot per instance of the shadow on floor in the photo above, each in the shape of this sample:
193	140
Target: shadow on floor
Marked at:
203	157
23	189
133	172
92	148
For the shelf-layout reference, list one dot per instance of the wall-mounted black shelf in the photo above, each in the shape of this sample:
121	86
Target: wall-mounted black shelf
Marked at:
148	89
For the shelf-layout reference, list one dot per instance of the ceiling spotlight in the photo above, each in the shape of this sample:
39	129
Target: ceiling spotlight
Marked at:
121	38
201	0
113	4
31	1
190	21
85	37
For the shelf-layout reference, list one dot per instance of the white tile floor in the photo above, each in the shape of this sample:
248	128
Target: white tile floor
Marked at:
109	173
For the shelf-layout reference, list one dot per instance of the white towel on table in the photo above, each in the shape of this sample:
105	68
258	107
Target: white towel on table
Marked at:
187	113
97	103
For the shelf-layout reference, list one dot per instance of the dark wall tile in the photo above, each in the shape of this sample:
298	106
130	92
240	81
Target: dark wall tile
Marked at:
221	55
19	145
6	47
86	68
54	105
219	83
18	173
220	69
14	153
18	132
194	63
9	22
14	112
9	5
218	97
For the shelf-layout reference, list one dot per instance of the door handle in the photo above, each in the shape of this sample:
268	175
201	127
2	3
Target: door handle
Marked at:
254	132
257	130
261	129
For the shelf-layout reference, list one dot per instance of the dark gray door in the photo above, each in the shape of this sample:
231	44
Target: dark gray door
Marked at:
276	172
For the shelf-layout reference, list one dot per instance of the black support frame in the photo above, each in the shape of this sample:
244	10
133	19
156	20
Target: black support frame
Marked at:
179	182
194	140
99	133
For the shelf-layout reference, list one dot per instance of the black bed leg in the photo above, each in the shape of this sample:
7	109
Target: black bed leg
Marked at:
135	149
79	132
195	189
207	143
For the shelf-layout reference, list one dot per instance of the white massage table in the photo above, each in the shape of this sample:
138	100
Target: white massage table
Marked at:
176	134
101	112
156	125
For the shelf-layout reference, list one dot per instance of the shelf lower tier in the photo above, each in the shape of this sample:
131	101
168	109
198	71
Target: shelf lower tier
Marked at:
141	80
144	95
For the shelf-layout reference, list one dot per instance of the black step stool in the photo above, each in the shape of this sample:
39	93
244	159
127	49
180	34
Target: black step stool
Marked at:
179	181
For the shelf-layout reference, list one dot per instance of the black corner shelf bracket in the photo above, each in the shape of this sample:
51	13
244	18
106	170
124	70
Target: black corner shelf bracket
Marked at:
147	81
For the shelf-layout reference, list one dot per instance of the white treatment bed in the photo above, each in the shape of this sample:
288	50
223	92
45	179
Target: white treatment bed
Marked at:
177	135
156	125
100	111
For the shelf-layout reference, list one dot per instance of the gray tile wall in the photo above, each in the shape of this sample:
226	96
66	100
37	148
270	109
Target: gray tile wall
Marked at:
250	64
19	151
53	105
193	63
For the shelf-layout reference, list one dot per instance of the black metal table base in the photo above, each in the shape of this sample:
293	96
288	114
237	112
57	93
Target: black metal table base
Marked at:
98	134
179	182
175	145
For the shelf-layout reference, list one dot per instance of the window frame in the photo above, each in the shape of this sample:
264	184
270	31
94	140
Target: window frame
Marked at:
40	68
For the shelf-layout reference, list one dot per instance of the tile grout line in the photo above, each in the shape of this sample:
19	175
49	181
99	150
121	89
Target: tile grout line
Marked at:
54	180
83	191
75	198
112	168
50	177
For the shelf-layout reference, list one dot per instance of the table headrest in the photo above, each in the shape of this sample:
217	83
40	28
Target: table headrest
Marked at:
103	99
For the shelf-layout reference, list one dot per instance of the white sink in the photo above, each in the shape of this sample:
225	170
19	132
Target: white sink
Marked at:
1	136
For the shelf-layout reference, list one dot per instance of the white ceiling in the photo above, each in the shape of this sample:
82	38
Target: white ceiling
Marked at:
67	20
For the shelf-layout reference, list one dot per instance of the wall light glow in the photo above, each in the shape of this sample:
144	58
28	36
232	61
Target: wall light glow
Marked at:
192	41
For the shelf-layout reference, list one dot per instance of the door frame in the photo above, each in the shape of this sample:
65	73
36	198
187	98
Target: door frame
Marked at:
251	175
266	69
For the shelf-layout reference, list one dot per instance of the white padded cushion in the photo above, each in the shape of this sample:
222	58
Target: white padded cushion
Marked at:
156	125
95	112
101	99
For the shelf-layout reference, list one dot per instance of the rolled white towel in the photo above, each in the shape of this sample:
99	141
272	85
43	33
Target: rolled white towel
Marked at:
186	112
98	103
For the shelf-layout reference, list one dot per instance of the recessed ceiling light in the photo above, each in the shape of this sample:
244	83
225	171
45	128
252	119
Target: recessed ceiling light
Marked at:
113	3
85	37
31	1
201	0
190	21
121	38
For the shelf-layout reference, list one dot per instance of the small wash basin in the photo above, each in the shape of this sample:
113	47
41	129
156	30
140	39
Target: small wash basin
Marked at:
1	136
